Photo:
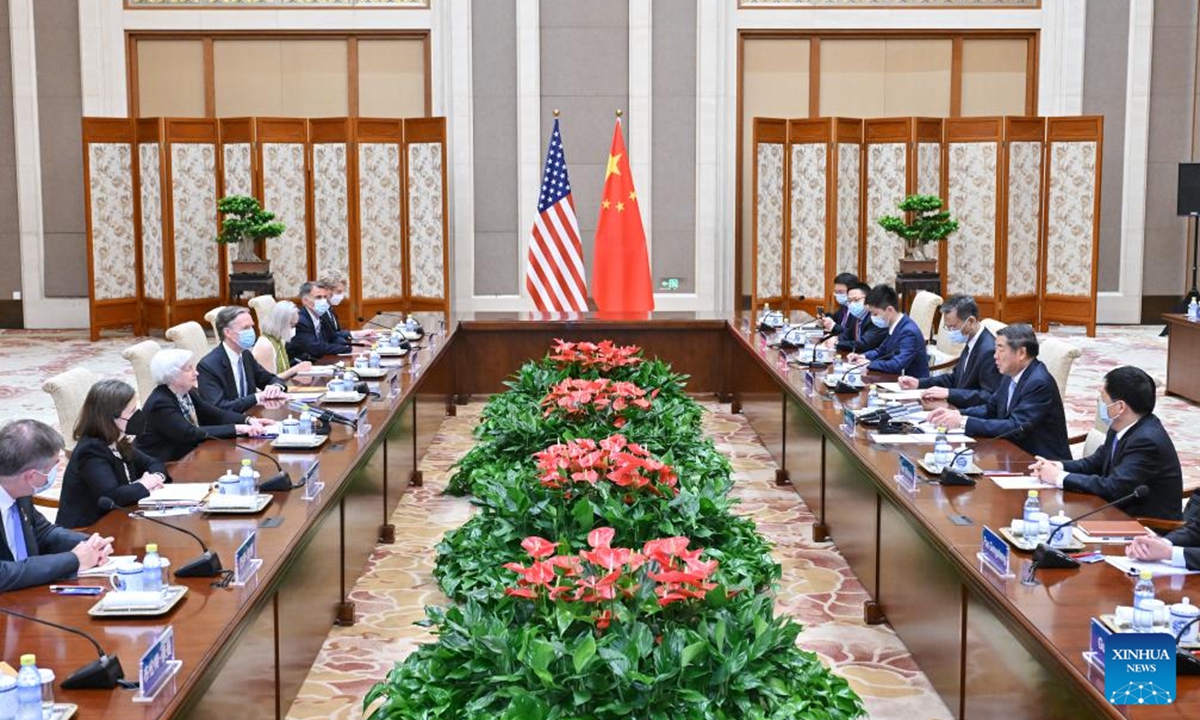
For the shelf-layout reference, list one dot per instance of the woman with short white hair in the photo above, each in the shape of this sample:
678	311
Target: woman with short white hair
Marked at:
270	350
178	418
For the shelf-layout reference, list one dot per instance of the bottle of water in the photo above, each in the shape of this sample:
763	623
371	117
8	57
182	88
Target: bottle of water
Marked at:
29	690
943	451
152	574
373	360
1193	312
873	399
306	423
247	485
1032	505
1143	591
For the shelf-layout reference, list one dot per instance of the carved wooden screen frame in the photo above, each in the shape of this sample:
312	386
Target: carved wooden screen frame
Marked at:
1016	306
336	131
769	131
979	132
122	310
883	131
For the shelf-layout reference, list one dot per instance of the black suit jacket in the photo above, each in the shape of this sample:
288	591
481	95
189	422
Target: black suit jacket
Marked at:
1146	456
1036	404
218	386
839	318
974	383
170	434
1188	536
860	334
49	549
308	344
95	472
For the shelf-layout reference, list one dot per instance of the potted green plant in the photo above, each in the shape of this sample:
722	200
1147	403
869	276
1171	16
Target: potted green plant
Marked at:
244	224
929	224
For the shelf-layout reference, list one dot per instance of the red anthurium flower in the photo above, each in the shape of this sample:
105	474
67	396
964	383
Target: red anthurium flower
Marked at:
538	547
601	537
521	592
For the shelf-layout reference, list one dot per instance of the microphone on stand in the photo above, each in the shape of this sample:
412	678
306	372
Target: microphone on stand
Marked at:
322	414
372	322
813	362
845	387
280	481
101	674
1055	559
207	565
952	477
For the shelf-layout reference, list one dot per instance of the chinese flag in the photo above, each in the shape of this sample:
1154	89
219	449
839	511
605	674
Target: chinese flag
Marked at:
621	271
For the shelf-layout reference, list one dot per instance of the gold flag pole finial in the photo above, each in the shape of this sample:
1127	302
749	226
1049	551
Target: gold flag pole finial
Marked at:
556	112
619	113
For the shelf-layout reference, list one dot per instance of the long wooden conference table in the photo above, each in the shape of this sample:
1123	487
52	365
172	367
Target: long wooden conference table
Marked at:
992	647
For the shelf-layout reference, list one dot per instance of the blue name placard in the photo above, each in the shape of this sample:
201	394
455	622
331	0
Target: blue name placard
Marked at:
1100	635
908	474
158	663
244	558
810	382
994	551
848	418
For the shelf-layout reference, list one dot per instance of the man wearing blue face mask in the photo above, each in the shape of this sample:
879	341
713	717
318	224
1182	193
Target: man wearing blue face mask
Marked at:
230	377
858	333
316	332
902	352
34	551
975	376
835	321
1136	451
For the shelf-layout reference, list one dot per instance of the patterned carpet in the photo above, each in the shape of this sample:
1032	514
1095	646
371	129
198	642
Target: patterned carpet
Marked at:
818	588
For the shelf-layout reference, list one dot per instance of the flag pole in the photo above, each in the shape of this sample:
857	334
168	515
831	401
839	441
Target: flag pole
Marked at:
556	113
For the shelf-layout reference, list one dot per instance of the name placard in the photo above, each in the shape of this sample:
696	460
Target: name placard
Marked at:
994	551
157	666
907	477
1100	635
810	382
245	559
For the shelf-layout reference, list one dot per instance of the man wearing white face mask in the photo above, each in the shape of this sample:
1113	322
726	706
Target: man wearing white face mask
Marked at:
975	376
337	294
34	551
315	335
230	377
1136	451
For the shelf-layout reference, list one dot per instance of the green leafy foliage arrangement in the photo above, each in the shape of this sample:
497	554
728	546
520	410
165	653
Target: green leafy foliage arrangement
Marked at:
930	223
651	600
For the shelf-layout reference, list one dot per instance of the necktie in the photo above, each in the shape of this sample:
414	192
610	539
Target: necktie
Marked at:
17	530
963	363
240	376
1012	386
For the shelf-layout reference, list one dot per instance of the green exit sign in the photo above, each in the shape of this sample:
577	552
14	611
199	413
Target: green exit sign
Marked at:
669	284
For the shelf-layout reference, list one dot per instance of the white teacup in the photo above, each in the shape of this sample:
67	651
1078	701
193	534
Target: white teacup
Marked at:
128	577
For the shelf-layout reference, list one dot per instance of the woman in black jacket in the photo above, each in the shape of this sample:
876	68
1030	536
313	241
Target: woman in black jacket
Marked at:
104	463
178	418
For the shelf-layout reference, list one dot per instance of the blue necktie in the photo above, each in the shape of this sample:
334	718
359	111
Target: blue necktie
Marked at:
1012	386
17	541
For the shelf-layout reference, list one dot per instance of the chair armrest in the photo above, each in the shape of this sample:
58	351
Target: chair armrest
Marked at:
1159	525
944	366
1076	439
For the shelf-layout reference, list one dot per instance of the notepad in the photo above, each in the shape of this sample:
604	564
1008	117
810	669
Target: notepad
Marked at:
1020	482
108	568
900	394
1112	529
176	494
1134	567
917	439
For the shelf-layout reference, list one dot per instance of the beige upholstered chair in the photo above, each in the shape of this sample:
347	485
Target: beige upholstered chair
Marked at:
190	336
139	356
994	326
1058	357
1085	444
261	305
923	307
210	317
69	390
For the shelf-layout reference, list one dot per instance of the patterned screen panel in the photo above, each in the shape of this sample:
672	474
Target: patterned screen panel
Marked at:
1070	223
331	225
152	230
885	189
849	203
238	180
379	220
1024	216
971	252
810	181
929	168
194	207
110	185
769	210
426	223
283	194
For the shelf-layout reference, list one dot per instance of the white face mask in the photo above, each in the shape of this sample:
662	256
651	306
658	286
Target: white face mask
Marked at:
337	299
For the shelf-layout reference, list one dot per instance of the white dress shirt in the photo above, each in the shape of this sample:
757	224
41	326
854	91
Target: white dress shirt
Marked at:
6	502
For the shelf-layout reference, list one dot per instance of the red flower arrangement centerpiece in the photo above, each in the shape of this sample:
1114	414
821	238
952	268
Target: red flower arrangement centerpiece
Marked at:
603	356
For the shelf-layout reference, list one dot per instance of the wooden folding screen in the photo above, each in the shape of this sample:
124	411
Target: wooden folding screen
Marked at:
333	207
152	222
283	177
769	252
380	212
426	208
237	165
109	191
1071	220
810	251
971	264
927	143
889	151
1021	218
849	215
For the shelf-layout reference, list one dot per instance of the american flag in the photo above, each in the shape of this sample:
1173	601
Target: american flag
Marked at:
554	271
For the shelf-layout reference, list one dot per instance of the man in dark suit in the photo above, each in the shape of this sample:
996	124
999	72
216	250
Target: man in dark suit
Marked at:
1136	451
858	334
34	551
975	376
316	334
230	377
1180	547
835	321
902	351
1026	404
337	294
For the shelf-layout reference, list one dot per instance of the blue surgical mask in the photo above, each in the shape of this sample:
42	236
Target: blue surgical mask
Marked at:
957	336
857	308
840	297
246	338
50	478
321	306
879	320
1102	410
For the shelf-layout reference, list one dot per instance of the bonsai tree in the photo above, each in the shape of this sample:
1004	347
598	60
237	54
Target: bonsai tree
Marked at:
245	222
929	223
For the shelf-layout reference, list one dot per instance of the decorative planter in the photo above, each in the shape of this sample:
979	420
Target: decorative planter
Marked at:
908	266
254	267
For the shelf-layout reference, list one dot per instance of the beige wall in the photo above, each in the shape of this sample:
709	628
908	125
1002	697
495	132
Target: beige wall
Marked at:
283	78
170	78
391	78
994	76
885	78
